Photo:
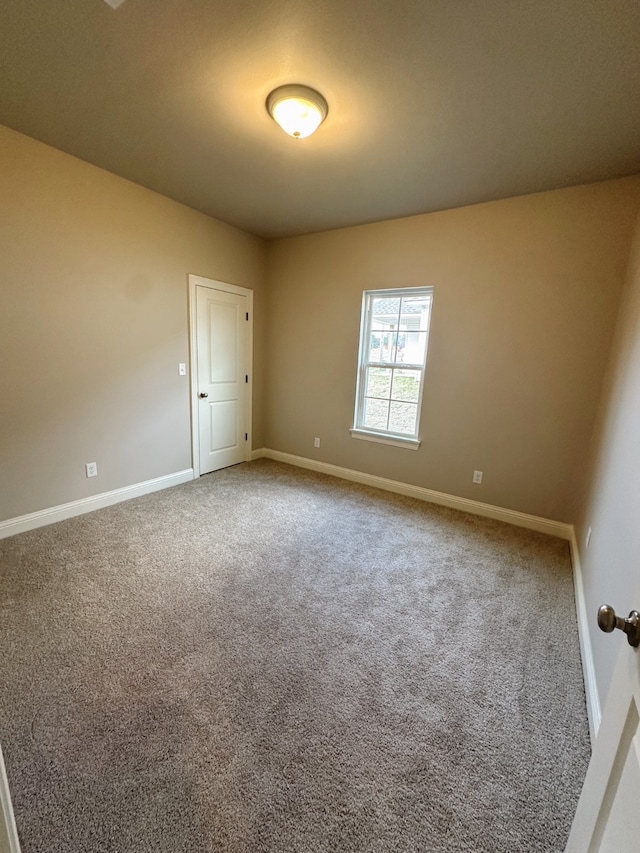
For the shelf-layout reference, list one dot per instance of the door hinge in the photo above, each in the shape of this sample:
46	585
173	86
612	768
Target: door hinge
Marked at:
246	378
246	436
247	315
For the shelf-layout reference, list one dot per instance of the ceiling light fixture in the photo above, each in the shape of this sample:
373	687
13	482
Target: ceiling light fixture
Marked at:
298	110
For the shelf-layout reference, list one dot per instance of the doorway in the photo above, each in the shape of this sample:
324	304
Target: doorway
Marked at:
221	324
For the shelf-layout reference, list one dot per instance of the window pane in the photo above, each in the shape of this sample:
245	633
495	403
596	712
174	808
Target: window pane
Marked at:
376	413
412	346
406	385
418	307
375	347
402	418
384	313
381	346
379	382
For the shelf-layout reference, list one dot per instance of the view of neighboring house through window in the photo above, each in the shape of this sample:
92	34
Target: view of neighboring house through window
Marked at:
393	352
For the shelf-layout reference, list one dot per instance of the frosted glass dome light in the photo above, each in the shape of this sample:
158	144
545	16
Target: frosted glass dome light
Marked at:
298	110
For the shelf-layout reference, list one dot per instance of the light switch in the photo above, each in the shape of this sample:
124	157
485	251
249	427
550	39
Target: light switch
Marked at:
182	369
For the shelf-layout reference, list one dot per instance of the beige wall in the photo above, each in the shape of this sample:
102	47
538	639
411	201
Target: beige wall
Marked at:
526	294
611	505
93	323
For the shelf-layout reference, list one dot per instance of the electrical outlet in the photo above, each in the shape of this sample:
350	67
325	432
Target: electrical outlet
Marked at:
91	469
477	477
316	442
182	369
587	538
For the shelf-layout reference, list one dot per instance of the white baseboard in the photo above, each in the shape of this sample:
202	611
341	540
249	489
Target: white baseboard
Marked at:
59	513
510	516
8	831
594	711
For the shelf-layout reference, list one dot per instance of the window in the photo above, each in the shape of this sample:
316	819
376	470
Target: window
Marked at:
393	352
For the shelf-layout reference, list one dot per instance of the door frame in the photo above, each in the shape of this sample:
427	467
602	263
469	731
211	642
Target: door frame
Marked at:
225	287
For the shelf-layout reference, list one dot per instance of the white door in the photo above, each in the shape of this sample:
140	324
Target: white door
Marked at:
608	814
8	833
221	375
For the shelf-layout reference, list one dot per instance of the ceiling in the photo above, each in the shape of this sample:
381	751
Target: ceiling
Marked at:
433	104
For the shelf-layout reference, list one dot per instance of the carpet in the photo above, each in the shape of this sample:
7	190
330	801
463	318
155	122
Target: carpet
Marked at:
269	659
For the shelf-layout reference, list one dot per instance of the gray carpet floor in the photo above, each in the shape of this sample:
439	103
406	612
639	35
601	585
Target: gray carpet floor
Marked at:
269	659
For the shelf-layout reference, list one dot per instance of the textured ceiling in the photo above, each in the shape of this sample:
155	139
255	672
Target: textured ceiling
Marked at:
432	103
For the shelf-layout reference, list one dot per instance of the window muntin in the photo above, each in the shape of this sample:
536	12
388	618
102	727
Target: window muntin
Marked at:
394	334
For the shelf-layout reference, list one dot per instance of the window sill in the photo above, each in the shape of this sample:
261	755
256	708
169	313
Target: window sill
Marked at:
381	438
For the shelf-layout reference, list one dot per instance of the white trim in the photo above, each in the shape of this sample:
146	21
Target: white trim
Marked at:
395	441
258	454
510	516
594	711
59	513
8	830
212	284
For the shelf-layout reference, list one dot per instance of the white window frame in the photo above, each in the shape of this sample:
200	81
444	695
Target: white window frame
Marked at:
359	431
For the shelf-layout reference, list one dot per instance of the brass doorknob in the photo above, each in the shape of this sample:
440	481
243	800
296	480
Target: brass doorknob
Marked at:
607	621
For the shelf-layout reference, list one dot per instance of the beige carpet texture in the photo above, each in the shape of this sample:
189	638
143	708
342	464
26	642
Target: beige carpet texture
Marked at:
269	659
